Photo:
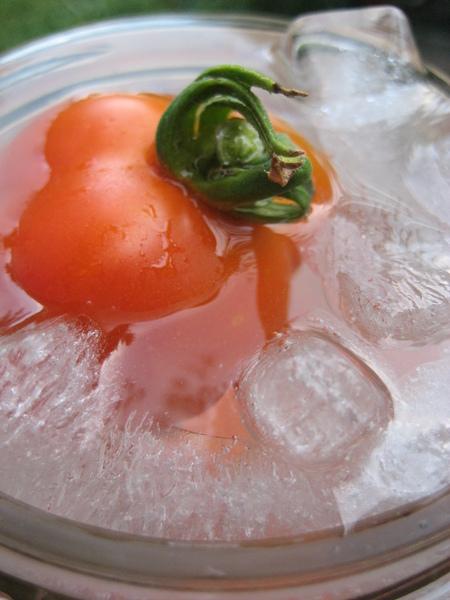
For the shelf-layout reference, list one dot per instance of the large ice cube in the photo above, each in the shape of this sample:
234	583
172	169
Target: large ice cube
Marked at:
358	67
371	107
389	272
313	400
379	34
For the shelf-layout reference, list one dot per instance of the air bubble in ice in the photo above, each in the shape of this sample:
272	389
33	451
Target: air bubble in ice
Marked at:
313	400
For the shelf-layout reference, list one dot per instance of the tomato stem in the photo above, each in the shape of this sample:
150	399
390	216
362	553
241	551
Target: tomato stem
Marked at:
238	164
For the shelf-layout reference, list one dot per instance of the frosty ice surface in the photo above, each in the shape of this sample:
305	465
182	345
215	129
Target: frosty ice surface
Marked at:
348	413
61	450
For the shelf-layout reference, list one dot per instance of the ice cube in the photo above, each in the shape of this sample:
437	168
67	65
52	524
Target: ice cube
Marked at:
359	66
383	31
314	401
37	367
389	271
412	462
63	449
49	416
369	99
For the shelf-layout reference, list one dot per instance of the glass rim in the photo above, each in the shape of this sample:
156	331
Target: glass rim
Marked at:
160	20
249	564
144	560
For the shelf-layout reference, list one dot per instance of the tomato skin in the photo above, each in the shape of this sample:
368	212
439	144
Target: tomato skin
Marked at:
108	233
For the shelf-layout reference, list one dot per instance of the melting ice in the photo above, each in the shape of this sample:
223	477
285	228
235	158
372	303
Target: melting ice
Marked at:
341	430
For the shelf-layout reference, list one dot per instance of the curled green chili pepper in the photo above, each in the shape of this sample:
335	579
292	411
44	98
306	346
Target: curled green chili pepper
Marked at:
236	164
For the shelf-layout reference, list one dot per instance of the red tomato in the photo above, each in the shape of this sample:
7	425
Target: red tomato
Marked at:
107	233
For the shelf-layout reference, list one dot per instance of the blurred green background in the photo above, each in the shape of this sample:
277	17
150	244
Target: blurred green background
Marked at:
23	20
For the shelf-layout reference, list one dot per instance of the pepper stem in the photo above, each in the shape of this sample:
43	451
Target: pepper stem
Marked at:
236	164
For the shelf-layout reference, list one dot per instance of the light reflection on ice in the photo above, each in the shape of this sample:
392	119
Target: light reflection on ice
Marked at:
383	258
314	401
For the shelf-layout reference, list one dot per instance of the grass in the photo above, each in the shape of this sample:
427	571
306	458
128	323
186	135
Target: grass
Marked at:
23	20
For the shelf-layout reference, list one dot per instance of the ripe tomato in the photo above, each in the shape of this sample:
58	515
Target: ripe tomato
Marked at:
108	233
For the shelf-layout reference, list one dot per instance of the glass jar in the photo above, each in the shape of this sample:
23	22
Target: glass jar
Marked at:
386	557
